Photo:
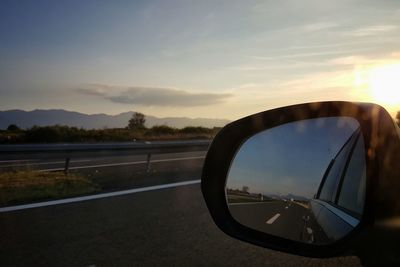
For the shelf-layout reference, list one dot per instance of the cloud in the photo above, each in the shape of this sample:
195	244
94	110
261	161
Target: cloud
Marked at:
373	30
90	91
349	60
152	96
319	26
310	54
382	59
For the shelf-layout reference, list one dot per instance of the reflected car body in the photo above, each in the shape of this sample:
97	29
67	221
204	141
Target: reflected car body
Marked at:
333	217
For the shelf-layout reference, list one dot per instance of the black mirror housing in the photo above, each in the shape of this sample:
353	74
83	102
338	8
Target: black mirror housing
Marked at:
382	146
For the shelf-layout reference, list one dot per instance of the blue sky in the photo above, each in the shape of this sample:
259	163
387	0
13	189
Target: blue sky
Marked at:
219	59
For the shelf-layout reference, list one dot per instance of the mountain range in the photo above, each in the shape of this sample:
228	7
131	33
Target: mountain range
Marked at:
39	117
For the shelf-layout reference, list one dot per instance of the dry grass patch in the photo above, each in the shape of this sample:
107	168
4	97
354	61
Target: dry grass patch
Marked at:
29	186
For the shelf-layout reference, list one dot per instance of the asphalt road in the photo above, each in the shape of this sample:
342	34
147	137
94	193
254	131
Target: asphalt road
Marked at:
279	218
57	164
275	217
166	227
169	227
123	172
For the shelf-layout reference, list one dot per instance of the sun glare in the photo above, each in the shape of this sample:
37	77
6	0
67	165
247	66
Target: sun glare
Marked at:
379	84
384	84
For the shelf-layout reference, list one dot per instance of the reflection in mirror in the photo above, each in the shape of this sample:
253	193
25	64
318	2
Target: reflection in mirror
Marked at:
303	180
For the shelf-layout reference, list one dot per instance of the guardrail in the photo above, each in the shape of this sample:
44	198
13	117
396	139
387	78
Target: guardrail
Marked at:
68	151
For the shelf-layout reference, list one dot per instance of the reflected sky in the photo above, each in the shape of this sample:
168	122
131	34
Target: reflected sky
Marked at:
291	158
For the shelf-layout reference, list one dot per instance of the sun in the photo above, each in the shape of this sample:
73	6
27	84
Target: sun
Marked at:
384	84
379	84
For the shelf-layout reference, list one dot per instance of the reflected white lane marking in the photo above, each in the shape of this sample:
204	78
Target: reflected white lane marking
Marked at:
273	219
97	196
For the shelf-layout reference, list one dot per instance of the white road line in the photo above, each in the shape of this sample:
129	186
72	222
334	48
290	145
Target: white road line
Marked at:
121	164
273	219
248	203
177	159
44	163
95	166
97	196
15	160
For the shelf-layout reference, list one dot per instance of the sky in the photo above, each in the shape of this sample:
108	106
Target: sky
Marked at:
214	59
291	158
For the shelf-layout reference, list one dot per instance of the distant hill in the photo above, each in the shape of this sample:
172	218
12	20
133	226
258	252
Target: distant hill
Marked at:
26	119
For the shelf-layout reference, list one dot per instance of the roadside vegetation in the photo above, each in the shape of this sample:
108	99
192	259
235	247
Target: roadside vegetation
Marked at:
244	196
27	186
134	131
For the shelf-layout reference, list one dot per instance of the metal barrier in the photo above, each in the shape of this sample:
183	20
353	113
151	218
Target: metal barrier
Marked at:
68	151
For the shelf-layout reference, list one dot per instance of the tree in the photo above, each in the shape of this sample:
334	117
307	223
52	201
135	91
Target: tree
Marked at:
137	121
13	128
245	189
398	118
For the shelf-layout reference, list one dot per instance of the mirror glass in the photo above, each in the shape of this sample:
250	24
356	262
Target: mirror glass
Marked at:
303	180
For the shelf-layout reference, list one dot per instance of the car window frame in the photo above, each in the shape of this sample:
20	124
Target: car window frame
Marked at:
353	139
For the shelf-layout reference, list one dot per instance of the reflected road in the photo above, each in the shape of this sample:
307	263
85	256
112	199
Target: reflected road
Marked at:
289	219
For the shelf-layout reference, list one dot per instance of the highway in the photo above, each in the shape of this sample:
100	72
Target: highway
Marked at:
57	164
122	172
275	217
154	227
285	219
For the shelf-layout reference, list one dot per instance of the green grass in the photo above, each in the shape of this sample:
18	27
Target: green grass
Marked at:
65	134
29	186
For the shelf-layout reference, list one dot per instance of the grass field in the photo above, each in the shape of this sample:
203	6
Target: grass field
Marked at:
24	186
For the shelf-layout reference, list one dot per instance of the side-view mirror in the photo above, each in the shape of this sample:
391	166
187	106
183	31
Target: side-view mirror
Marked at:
317	179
